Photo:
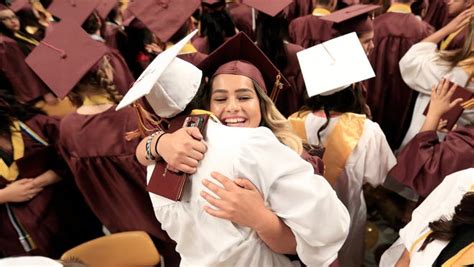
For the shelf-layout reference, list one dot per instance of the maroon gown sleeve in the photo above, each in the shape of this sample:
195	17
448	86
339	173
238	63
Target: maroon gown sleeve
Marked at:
24	82
315	161
425	161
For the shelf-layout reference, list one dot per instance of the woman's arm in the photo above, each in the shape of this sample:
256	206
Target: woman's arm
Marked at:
454	25
47	178
182	150
19	191
240	202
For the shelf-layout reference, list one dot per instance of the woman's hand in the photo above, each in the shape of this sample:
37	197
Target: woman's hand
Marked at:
182	150
20	191
460	21
240	201
440	103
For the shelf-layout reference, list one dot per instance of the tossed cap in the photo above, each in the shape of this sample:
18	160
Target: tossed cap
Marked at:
105	6
165	17
74	10
240	56
354	18
64	56
168	83
271	9
334	65
212	2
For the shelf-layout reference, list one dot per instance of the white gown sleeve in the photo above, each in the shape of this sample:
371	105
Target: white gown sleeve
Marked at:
374	156
421	67
304	201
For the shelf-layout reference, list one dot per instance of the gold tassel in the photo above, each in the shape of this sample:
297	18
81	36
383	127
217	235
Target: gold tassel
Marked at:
276	88
147	123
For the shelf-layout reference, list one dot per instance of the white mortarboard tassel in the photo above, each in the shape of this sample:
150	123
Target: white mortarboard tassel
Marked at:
168	83
334	65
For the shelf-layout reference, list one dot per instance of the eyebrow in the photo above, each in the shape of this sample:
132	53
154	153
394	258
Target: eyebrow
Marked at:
240	90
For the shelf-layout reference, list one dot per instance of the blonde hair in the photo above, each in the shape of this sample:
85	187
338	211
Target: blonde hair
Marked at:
280	126
463	57
96	82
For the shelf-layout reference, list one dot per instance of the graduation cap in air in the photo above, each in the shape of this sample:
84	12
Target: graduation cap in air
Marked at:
334	65
271	9
163	19
73	10
64	56
354	18
168	83
240	56
105	6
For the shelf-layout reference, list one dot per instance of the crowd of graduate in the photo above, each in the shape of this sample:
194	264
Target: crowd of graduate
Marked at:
339	133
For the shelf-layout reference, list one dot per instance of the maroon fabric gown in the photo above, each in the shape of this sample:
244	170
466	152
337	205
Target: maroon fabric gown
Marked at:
201	44
109	176
57	219
24	82
310	30
298	8
389	98
425	161
437	14
242	17
290	100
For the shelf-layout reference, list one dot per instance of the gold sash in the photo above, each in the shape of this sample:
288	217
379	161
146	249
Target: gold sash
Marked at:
187	48
320	12
399	8
445	43
10	173
340	143
297	121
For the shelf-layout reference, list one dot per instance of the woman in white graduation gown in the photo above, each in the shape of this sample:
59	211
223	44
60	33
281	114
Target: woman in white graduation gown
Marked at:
304	202
423	66
356	150
442	202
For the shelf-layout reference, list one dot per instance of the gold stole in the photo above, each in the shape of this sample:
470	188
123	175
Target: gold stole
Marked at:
297	121
187	49
10	173
445	43
399	8
26	39
320	12
94	100
340	143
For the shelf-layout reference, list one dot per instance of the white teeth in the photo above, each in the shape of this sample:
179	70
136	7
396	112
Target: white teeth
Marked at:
234	120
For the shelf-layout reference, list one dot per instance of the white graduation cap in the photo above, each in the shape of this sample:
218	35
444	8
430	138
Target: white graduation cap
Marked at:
334	65
168	83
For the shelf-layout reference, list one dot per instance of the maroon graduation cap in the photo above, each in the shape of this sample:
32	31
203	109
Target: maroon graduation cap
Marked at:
354	18
74	10
271	8
163	18
64	56
240	56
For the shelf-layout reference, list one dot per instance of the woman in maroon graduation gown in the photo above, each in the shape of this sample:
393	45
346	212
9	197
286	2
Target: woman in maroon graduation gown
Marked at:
103	162
39	201
425	160
390	99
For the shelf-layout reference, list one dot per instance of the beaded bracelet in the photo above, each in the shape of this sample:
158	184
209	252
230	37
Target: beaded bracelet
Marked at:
149	155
